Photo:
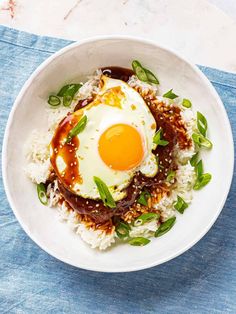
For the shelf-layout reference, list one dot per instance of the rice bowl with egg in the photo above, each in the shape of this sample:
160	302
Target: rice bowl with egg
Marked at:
135	146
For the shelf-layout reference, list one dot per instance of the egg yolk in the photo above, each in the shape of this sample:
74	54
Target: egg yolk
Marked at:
121	147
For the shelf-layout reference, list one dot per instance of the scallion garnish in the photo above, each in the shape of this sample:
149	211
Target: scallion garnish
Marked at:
70	89
170	94
180	205
186	103
54	101
122	230
146	218
194	159
157	139
67	100
143	198
165	227
139	241
42	194
202	181
202	141
80	126
151	77
68	92
104	192
139	71
201	123
170	175
199	169
202	178
144	74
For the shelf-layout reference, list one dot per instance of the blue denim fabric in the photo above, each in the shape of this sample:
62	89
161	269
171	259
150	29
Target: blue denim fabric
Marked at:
203	280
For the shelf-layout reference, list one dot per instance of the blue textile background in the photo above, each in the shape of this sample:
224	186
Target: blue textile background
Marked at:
203	280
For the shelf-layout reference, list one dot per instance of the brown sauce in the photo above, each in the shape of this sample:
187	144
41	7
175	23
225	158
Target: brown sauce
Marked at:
71	175
118	73
95	209
82	103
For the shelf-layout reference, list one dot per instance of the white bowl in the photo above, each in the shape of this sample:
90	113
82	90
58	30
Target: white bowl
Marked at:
74	63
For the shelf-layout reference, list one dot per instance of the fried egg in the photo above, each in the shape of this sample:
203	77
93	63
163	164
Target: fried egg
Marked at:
116	143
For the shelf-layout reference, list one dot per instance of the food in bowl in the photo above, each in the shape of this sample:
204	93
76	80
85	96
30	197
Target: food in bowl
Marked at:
118	160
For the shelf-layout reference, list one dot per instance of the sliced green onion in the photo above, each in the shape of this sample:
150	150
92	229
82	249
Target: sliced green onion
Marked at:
170	175
194	159
104	192
157	136
163	143
203	180
151	77
68	92
157	139
146	218
144	74
54	101
186	103
170	94
122	230
180	205
80	126
67	100
165	227
70	89
141	74
199	169
200	140
139	241
139	71
201	123
136	64
42	194
143	198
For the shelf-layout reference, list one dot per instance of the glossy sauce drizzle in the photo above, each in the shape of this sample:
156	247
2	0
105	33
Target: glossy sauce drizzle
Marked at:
70	176
118	73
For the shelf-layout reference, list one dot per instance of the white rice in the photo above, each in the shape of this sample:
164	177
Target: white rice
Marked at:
38	169
37	154
146	230
97	239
